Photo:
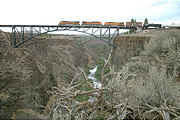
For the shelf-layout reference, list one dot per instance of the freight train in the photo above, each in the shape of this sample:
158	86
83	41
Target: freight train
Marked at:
109	24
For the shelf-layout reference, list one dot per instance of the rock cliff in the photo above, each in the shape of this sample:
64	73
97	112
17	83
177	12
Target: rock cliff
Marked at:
29	71
127	46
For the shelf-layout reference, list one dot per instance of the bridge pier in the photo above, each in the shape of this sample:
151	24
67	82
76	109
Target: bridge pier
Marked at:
22	34
100	32
13	35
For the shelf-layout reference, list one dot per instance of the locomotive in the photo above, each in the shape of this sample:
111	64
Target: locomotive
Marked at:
114	24
109	24
70	23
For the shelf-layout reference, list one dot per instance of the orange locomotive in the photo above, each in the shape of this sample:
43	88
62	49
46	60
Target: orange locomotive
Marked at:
121	24
66	23
94	23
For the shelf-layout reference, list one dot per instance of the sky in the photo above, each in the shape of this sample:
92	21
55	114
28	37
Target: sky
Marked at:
50	12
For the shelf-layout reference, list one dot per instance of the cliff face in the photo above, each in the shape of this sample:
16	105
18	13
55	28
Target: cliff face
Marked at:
127	46
28	72
58	56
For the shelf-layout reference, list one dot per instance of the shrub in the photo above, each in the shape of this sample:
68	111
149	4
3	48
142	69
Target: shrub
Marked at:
150	95
165	47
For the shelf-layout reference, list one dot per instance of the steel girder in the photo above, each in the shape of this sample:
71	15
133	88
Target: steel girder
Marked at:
23	33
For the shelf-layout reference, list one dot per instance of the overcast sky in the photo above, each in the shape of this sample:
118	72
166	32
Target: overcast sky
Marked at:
50	12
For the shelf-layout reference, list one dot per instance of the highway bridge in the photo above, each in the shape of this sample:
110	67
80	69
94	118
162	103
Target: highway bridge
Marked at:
23	33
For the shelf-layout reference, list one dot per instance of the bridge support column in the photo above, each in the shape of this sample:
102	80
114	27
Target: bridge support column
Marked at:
92	31
31	31
117	31
101	32
39	30
109	35
22	34
13	36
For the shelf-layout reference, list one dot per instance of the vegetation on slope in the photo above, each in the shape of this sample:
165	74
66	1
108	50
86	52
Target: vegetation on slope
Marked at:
142	89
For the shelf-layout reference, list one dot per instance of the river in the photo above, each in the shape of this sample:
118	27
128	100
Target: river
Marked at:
96	83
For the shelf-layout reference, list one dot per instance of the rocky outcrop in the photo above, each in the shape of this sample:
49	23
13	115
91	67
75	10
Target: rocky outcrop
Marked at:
127	46
28	72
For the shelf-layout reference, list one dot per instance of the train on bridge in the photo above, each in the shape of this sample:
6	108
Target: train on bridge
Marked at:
109	24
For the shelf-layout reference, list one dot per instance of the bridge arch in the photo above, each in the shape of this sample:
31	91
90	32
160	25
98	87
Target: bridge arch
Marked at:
104	40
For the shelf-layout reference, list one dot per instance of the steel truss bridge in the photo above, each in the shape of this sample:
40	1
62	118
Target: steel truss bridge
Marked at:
22	33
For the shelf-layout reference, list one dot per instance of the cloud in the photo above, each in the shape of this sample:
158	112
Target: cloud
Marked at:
51	12
159	3
165	10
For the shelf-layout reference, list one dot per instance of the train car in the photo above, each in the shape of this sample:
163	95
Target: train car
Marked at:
69	23
155	25
129	24
94	23
114	24
150	26
139	24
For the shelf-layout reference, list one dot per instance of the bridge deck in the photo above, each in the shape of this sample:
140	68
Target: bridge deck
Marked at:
73	26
